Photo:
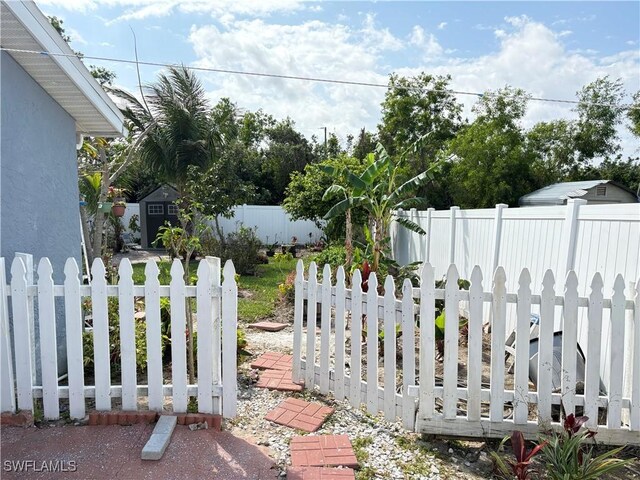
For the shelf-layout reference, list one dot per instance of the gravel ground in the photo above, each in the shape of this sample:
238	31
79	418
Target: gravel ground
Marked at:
384	449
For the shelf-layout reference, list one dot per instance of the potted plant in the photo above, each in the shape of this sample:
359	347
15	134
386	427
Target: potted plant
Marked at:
118	205
271	247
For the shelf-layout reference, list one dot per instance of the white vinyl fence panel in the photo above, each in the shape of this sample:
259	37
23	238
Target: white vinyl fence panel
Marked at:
216	388
580	237
491	399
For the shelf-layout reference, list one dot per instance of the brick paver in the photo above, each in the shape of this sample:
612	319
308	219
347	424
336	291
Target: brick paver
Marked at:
273	361
278	380
322	451
320	473
299	414
269	326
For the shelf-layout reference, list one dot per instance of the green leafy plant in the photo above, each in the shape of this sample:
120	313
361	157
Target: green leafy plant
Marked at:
519	468
568	455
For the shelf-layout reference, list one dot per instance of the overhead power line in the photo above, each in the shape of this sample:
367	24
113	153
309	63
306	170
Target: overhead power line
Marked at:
295	77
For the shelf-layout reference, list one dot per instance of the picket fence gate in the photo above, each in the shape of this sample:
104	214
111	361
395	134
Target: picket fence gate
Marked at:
468	405
216	303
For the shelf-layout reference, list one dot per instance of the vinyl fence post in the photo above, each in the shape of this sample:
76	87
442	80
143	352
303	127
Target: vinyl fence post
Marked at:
427	256
27	259
7	387
569	235
497	235
452	235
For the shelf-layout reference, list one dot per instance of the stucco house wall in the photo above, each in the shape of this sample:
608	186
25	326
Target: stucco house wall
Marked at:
38	179
38	173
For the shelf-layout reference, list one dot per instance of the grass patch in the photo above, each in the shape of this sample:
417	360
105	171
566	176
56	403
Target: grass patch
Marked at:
421	463
165	272
263	289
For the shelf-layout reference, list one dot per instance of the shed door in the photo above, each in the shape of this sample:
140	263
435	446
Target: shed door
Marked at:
158	213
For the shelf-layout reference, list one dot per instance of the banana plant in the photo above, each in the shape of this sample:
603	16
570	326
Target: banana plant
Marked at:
377	191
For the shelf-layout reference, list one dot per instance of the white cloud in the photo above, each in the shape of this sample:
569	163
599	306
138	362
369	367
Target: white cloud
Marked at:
442	25
564	33
75	36
106	44
427	45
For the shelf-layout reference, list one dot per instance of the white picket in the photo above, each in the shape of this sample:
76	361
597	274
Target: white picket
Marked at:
451	338
21	335
7	387
216	305
74	326
523	327
127	336
372	344
498	332
325	329
427	341
178	337
312	302
101	354
592	365
389	326
297	322
355	390
205	339
569	343
474	342
340	333
154	338
229	342
616	352
48	340
635	374
545	348
408	356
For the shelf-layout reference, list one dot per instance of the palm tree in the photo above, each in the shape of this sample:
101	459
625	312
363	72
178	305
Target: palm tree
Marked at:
376	191
174	126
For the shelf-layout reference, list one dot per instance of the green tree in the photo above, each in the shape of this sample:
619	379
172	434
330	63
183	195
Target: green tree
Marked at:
365	143
633	114
491	163
599	114
378	191
553	145
414	107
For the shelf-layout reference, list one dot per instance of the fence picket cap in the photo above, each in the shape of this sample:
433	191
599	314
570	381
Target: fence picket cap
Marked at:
297	321
545	348
74	330
372	346
474	342
229	343
389	326
178	327
498	332
522	336
355	391
48	340
427	342
616	352
592	366
451	339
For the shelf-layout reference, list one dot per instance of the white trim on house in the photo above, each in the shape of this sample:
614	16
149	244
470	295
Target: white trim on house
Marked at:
65	78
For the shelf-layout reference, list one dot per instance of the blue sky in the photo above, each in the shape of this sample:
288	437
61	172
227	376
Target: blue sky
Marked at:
550	49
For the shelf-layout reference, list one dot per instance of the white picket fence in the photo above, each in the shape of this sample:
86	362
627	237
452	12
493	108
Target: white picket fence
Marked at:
216	302
471	404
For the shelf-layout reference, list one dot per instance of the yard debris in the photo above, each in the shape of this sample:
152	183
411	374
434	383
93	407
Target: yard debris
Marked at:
199	426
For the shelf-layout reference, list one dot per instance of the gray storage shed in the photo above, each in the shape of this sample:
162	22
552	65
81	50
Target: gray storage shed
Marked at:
156	209
593	191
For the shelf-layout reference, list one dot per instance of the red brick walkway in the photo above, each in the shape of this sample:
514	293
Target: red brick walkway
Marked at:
299	414
278	380
320	473
322	451
273	361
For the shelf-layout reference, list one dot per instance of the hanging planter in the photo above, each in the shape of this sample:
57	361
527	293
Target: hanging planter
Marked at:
118	209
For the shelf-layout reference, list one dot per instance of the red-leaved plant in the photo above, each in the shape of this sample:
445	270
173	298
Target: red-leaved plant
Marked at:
520	468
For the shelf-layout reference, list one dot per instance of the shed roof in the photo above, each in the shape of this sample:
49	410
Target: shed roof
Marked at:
62	75
557	193
164	193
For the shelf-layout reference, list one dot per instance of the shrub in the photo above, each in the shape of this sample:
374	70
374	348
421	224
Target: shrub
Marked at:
287	288
241	247
334	255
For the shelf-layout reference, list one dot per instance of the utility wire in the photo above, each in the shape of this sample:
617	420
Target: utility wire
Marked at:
296	77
